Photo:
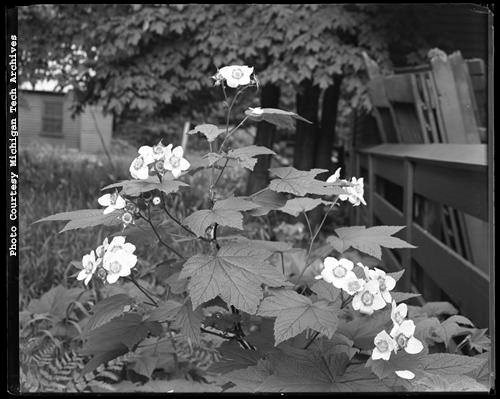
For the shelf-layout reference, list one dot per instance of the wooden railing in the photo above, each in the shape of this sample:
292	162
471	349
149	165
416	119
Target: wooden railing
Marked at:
449	174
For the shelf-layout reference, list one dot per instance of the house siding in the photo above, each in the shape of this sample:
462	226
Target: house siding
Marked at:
30	121
90	129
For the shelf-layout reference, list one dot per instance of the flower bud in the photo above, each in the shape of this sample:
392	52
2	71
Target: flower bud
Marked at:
156	200
127	218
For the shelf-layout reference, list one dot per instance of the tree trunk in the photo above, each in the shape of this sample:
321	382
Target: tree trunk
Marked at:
306	134
326	139
259	178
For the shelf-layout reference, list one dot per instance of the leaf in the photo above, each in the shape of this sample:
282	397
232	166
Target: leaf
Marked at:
363	329
129	329
167	386
272	246
447	383
479	341
234	357
182	317
294	313
267	200
296	206
368	240
152	354
116	337
429	330
177	285
246	155
326	291
403	296
235	273
277	117
248	379
137	187
299	182
211	132
225	213
398	361
449	364
106	310
439	308
55	302
84	218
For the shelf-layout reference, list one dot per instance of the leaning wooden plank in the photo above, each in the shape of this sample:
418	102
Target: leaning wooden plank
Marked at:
449	105
466	98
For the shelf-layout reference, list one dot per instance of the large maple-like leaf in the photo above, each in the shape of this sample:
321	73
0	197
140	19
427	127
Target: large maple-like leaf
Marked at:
235	273
211	132
54	303
301	182
294	313
182	317
224	212
296	206
84	218
267	200
368	240
246	155
137	187
277	117
106	310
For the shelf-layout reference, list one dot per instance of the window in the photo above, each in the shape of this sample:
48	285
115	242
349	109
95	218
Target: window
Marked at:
52	118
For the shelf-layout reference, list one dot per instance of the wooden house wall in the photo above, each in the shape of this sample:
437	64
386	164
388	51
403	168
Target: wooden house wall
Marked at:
30	121
90	128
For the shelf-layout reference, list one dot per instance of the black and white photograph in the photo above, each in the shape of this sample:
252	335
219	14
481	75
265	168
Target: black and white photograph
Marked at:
249	198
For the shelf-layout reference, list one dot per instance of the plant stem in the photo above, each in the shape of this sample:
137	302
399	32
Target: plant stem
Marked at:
313	239
143	290
148	219
221	172
231	132
311	340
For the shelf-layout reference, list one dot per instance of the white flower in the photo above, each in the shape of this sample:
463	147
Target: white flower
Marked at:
118	259
89	264
175	162
333	178
139	168
352	284
384	345
369	299
116	245
127	218
236	75
119	265
398	314
403	335
257	111
406	374
336	271
355	192
112	202
386	283
160	150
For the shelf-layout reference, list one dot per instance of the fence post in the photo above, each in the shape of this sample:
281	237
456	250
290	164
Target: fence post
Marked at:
408	216
371	189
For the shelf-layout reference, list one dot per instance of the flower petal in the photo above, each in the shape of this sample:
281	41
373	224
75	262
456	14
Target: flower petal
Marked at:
108	210
414	346
330	262
176	172
346	263
407	327
178	151
406	374
104	200
120	202
390	283
356	302
184	164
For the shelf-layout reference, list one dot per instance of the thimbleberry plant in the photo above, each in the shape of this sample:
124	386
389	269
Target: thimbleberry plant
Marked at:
333	323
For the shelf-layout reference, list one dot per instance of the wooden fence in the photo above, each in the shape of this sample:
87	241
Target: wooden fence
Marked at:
454	175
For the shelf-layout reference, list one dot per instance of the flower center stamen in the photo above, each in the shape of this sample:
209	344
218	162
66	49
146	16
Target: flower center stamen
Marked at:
237	73
382	346
381	284
115	267
402	340
367	298
398	317
339	271
174	161
138	163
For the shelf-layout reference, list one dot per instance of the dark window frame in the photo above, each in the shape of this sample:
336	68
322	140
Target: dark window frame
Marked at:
52	122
